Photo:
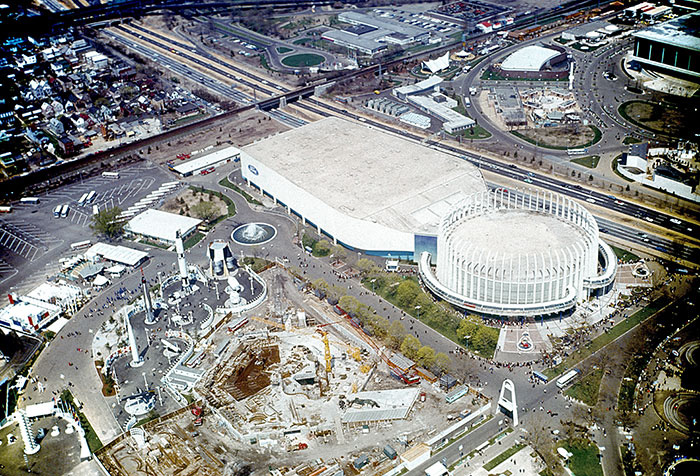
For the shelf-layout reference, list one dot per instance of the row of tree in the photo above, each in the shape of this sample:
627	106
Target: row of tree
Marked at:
392	334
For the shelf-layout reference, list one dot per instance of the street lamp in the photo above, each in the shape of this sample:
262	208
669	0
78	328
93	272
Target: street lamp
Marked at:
466	338
418	309
372	281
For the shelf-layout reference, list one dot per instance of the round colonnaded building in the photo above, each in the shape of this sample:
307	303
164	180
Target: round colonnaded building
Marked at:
509	253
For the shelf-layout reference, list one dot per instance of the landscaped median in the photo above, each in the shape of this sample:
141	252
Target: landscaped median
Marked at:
587	388
224	182
584	459
93	440
503	456
604	339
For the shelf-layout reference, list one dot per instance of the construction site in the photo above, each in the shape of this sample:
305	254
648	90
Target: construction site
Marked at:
295	382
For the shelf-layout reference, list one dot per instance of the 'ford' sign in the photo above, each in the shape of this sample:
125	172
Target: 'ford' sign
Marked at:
252	169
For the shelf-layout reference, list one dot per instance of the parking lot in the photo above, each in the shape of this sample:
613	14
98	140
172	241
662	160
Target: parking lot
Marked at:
33	239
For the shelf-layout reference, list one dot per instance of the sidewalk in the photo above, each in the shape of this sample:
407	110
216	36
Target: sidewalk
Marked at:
475	465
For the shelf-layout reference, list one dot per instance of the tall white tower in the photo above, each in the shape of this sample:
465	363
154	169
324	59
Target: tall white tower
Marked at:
136	360
181	262
148	306
571	75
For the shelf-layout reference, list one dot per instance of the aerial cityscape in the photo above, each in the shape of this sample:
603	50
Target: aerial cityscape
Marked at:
344	238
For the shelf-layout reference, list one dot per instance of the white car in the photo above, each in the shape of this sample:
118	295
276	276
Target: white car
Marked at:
675	220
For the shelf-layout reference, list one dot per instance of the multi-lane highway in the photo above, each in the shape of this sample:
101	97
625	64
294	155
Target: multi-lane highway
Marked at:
593	197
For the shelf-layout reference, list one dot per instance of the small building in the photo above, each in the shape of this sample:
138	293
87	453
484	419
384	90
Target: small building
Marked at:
208	161
390	452
161	227
116	254
360	462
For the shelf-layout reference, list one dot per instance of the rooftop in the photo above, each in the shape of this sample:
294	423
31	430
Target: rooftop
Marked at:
369	174
207	160
682	31
118	254
161	225
529	58
513	233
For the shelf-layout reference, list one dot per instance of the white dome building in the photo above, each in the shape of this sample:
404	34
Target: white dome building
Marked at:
518	254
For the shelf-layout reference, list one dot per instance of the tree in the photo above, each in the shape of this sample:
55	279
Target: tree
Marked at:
426	356
442	362
339	252
406	292
466	328
396	333
410	347
105	223
380	326
205	210
349	304
367	266
322	248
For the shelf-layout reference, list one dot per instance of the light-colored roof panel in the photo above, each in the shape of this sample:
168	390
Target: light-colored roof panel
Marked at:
364	172
161	225
682	31
529	58
207	160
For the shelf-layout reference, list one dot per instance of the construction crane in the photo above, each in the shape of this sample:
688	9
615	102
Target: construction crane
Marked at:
328	350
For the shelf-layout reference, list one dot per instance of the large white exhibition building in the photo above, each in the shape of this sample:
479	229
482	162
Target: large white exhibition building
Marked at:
364	188
499	252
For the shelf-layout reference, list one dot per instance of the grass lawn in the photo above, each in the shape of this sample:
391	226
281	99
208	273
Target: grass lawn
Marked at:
92	439
248	198
283	49
631	140
624	255
185	120
586	389
590	161
476	132
193	240
584	461
304	59
604	339
503	456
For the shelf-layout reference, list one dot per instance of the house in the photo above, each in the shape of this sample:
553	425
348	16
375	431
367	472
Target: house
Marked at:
56	127
66	145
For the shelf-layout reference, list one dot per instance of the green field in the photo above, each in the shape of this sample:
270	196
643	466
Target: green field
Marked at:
584	461
283	49
590	161
624	255
586	389
302	60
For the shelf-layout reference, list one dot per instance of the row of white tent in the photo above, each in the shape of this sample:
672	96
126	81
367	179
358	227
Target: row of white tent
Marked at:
145	202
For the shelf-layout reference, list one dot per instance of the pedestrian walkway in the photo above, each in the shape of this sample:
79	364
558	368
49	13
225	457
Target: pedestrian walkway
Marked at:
520	463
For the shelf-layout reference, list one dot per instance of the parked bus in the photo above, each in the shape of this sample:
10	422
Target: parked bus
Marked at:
6	209
114	175
576	151
82	199
30	200
80	245
64	211
90	197
57	211
540	376
95	209
568	377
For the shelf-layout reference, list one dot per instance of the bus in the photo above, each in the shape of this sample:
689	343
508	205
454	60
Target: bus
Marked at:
114	175
30	200
568	377
6	209
64	211
576	151
95	209
541	376
90	197
80	245
82	199
57	211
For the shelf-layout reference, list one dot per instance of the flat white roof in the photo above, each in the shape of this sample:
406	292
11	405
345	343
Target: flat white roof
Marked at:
530	58
207	161
40	409
118	254
419	86
161	225
390	405
369	174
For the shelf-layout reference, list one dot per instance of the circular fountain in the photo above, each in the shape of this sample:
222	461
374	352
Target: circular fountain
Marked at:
525	343
253	234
